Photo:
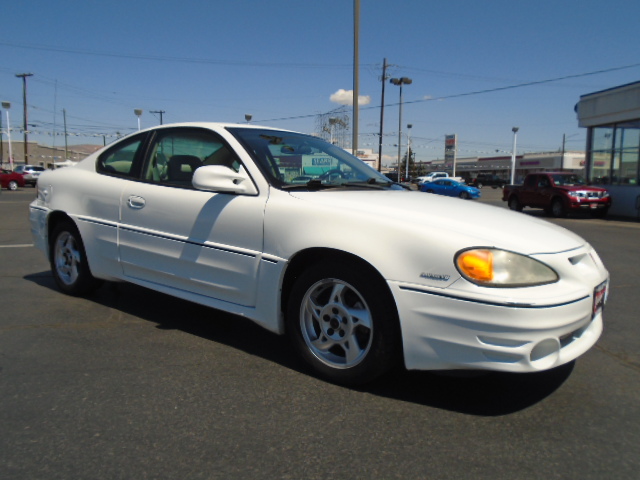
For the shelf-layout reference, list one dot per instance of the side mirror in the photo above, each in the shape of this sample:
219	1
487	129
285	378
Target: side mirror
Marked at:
218	178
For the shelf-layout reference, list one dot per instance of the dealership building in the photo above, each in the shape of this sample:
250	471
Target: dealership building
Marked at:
612	119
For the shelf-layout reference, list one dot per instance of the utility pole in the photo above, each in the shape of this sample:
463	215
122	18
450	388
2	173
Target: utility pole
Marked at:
66	147
24	102
159	112
356	74
384	81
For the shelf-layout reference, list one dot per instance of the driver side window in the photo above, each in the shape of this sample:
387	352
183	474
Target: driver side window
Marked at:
177	153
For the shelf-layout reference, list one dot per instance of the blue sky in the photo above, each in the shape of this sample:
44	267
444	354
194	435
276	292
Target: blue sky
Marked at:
281	60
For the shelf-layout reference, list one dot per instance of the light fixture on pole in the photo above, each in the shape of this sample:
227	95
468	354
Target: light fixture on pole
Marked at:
406	175
7	106
400	82
25	117
513	155
137	113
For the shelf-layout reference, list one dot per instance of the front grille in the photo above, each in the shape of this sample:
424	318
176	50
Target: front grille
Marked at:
588	194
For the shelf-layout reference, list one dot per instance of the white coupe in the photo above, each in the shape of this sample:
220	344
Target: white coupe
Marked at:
362	274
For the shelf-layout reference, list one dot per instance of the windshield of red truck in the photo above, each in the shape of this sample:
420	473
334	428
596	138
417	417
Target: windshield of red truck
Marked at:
568	180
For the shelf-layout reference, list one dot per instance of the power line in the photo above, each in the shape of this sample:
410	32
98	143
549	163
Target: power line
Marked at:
206	61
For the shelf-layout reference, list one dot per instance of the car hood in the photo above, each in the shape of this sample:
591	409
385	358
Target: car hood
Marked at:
460	220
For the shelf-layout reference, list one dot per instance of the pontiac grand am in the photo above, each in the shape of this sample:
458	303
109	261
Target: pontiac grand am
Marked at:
361	274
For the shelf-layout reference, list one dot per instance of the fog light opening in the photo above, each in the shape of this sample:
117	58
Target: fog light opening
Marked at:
545	354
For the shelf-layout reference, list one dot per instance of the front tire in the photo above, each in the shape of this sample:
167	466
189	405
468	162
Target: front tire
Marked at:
343	322
465	195
69	261
557	208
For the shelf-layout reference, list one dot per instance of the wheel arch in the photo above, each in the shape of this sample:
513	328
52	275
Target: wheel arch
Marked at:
54	219
390	349
307	258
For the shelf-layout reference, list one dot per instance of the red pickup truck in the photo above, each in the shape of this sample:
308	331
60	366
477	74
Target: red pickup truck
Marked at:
557	193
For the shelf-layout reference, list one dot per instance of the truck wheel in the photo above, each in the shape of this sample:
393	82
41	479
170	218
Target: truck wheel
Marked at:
514	204
479	184
557	208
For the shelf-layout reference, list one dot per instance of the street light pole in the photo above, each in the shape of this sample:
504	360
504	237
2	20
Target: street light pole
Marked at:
513	155
400	82
137	113
7	106
24	101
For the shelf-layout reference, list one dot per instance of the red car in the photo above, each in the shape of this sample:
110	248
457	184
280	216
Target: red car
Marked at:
11	180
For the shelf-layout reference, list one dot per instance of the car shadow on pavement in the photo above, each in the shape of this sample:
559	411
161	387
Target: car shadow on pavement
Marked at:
473	393
479	393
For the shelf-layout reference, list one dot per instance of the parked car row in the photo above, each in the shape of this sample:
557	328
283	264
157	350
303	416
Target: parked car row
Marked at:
22	175
11	180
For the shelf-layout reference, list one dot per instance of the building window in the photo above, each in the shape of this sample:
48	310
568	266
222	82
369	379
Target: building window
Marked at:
626	154
615	154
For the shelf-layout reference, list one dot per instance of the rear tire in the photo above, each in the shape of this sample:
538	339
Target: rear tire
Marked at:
514	204
69	261
343	322
13	185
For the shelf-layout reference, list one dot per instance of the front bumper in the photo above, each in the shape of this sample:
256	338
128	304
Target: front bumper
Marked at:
575	204
442	332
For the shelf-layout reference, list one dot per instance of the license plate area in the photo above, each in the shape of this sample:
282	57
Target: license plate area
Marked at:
599	297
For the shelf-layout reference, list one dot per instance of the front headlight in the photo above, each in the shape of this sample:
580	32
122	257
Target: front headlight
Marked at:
491	267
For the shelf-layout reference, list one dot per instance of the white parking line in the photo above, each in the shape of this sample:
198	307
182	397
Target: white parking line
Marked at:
17	246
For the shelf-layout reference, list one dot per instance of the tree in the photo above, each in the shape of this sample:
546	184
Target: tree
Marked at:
413	169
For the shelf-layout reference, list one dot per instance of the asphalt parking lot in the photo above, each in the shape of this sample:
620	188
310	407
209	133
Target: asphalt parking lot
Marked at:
129	383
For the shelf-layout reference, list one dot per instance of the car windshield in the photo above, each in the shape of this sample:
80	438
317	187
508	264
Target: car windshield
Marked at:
293	160
567	180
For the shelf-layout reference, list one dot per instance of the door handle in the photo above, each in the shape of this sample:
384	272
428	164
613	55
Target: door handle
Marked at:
136	202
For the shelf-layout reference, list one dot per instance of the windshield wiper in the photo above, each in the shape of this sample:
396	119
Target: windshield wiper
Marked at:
317	184
313	184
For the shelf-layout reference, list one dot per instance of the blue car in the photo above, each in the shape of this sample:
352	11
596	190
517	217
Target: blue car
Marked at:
451	188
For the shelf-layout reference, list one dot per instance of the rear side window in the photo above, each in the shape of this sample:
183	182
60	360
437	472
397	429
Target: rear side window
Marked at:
120	159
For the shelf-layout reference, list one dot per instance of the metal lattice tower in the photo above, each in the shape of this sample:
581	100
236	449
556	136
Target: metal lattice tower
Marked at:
334	127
